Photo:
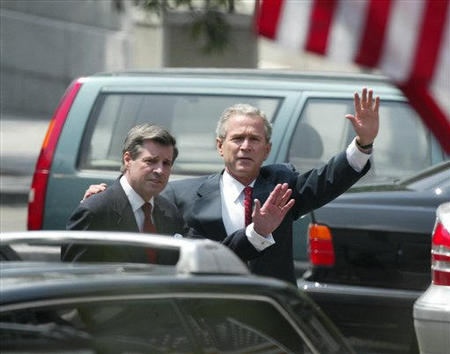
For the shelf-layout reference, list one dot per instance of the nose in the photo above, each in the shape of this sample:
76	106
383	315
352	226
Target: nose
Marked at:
245	145
158	168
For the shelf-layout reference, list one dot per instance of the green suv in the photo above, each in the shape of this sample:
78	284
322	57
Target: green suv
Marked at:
83	144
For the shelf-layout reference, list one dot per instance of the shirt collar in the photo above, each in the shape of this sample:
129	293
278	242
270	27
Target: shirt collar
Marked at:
134	198
232	186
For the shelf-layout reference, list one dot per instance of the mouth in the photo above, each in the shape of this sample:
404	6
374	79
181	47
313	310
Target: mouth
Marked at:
244	159
155	181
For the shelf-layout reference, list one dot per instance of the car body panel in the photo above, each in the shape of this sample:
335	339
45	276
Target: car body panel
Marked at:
381	241
133	307
431	311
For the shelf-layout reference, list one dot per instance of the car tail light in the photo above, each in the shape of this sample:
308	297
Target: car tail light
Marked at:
440	255
321	250
36	199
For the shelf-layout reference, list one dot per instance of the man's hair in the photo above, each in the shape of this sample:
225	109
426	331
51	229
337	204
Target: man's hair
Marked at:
139	133
245	110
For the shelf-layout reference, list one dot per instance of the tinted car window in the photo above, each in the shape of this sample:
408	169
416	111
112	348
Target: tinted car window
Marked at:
226	325
110	327
403	145
192	119
179	325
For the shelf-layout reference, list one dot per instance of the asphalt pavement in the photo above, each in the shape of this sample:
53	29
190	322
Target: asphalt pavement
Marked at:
20	143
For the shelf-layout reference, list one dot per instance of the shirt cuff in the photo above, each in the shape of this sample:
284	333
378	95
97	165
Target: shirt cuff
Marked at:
258	241
356	158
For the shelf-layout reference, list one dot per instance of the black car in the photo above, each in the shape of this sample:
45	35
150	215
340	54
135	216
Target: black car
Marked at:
206	302
370	256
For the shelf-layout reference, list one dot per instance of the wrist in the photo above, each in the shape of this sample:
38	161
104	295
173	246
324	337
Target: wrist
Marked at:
364	146
261	233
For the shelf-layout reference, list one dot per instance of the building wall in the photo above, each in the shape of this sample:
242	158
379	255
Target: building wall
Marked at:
181	50
45	44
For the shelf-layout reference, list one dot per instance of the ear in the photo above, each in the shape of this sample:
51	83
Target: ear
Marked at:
219	145
268	149
127	159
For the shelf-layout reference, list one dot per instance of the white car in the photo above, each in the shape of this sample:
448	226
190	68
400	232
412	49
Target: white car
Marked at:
432	309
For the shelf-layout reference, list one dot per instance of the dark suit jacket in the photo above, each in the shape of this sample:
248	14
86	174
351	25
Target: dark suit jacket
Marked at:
200	202
111	211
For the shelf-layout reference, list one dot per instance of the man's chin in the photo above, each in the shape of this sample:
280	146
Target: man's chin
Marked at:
244	172
245	165
155	188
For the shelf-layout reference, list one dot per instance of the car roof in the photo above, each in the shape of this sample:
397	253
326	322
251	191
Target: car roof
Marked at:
426	180
245	74
245	78
203	266
196	256
37	281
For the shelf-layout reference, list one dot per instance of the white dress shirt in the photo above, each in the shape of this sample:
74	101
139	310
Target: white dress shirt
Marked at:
232	199
233	211
355	157
136	202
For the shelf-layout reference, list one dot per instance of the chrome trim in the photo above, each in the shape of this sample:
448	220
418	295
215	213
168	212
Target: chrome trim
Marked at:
316	287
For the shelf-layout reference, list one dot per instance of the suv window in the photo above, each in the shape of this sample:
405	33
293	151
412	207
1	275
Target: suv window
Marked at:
403	145
192	119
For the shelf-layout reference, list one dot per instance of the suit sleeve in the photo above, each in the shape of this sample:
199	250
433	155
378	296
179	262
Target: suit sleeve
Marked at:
81	219
237	241
319	186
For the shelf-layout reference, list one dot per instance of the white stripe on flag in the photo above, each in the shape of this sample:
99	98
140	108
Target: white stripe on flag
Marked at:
346	30
293	24
400	45
440	85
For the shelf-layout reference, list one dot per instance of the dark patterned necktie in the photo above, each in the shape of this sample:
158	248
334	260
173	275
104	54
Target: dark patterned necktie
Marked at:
248	205
149	228
148	224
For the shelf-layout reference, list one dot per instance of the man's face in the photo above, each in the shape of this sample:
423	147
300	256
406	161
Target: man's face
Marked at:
244	147
149	173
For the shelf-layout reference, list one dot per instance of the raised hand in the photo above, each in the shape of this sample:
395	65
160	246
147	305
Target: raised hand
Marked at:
268	217
94	189
366	119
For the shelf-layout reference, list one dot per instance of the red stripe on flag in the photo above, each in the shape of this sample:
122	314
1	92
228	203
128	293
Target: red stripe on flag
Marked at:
429	111
321	17
268	17
429	41
371	44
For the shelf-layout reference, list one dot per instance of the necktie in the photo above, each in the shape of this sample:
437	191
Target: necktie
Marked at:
149	228
148	224
248	205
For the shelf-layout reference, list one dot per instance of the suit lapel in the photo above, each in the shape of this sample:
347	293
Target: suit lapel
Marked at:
122	208
262	188
208	208
163	217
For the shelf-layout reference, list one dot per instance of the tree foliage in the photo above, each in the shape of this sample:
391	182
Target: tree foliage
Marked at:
209	26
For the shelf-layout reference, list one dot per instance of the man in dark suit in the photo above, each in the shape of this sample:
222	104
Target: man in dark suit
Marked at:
219	206
132	203
214	206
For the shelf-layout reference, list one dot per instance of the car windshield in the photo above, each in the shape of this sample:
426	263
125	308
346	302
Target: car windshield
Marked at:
434	177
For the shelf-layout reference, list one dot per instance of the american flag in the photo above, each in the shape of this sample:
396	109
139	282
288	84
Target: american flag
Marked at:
407	40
